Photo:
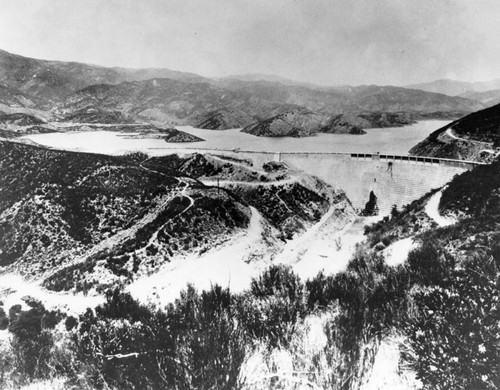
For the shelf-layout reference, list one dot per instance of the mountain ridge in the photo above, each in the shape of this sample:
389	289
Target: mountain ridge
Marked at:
75	90
454	87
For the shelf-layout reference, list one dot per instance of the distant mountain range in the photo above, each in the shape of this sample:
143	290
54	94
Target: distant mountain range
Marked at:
488	98
234	103
69	91
272	78
456	88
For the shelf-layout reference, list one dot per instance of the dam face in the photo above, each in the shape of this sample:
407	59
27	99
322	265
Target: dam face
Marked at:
395	180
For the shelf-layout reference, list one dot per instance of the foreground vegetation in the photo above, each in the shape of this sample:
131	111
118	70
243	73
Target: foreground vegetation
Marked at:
444	301
204	340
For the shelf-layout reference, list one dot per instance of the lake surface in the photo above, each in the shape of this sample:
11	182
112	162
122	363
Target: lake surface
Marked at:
394	140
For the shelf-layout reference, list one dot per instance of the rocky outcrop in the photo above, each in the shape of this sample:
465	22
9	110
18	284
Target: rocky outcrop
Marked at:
371	207
149	131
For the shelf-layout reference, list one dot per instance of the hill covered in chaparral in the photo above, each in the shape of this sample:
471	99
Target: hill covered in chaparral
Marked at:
475	137
78	216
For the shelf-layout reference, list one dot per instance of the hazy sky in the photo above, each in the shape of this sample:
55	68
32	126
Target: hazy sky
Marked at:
323	41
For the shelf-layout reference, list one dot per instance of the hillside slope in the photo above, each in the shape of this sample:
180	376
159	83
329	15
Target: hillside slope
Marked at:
240	104
85	221
75	206
223	119
365	98
474	137
291	123
162	100
51	81
488	98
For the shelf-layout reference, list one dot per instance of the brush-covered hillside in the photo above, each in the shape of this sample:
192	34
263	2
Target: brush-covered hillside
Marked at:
223	119
87	221
475	137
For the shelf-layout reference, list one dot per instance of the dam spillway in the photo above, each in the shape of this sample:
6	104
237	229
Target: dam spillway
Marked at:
395	180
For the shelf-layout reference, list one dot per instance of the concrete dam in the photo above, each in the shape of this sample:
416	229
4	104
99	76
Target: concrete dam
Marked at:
395	180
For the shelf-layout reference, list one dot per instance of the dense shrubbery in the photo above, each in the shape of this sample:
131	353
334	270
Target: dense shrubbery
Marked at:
193	344
201	340
273	305
32	353
456	332
429	266
475	193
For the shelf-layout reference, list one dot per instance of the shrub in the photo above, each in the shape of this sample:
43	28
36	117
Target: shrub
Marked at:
32	343
4	320
193	344
455	334
320	291
427	266
273	305
203	338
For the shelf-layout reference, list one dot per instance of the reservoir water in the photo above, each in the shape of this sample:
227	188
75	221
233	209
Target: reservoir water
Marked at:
394	140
